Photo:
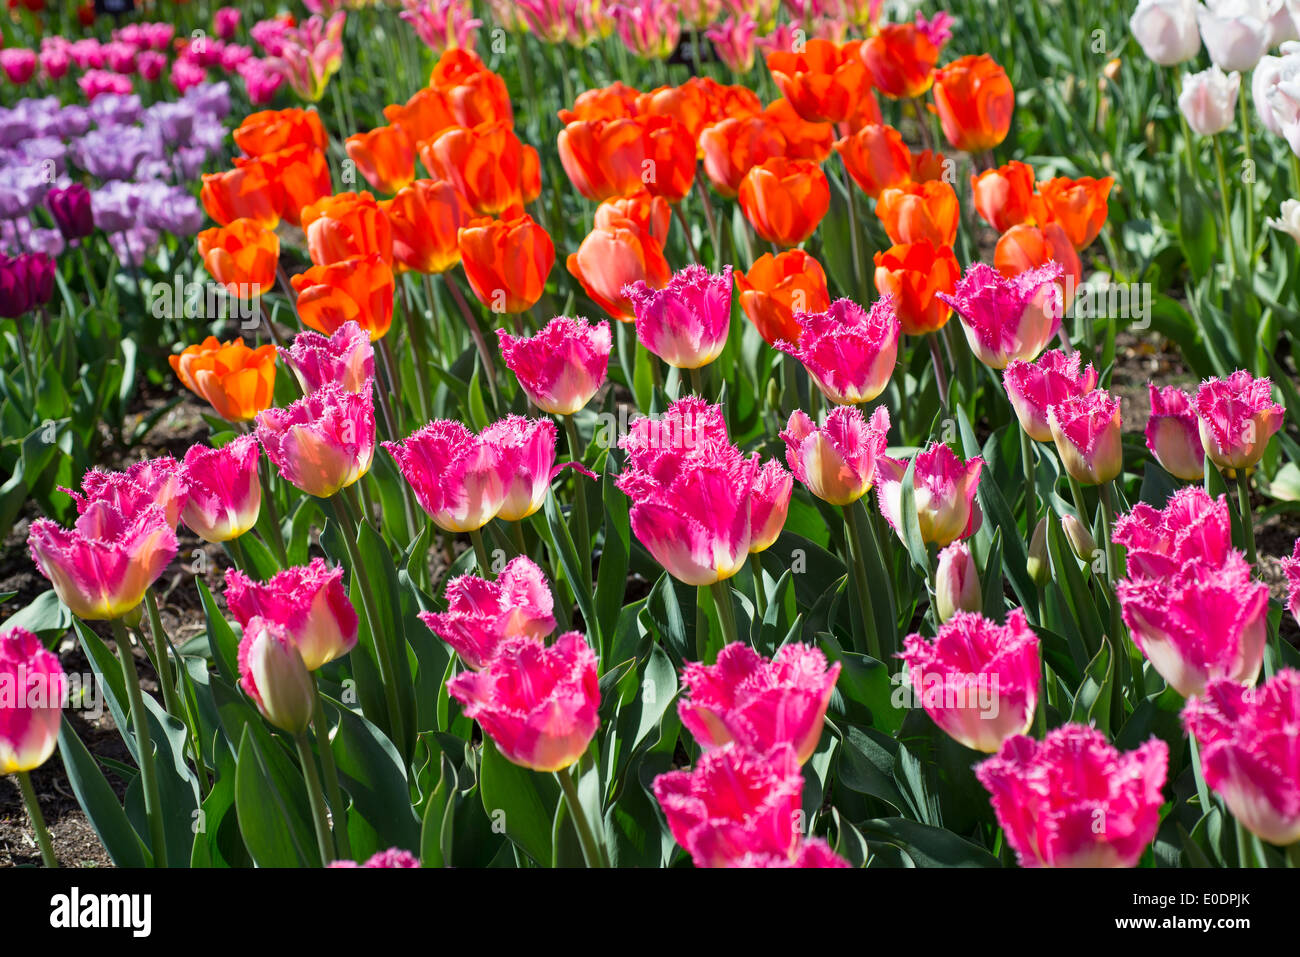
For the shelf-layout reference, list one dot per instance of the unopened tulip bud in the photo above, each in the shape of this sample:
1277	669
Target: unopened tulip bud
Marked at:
957	582
1038	566
274	676
1080	537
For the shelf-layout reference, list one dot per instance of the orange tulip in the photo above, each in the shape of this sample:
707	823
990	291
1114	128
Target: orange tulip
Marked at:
238	382
604	158
785	199
487	164
426	218
900	59
916	211
822	82
473	93
385	156
455	66
1026	246
803	140
877	158
507	261
733	101
651	214
246	192
302	174
241	256
735	146
614	255
691	104
929	165
346	226
670	153
1004	197
1079	205
777	288
613	102
912	274
360	290
423	116
530	176
866	113
269	131
975	101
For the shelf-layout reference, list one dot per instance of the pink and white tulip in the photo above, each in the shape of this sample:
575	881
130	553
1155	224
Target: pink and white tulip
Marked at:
1173	435
1086	429
1034	387
225	495
31	708
944	494
769	505
458	478
686	322
272	673
1166	30
1209	100
526	454
956	582
322	443
1237	416
561	367
1236	32
838	461
849	352
1192	529
159	481
1008	317
307	601
347	357
1291	566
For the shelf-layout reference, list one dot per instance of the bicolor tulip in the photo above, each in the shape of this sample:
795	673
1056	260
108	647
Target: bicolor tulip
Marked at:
877	158
385	157
611	258
246	192
1034	387
301	174
943	494
307	601
527	463
1291	567
784	199
238	382
538	704
272	673
912	275
242	256
978	680
757	702
1007	318
769	505
1086	430
506	262
1026	247
356	290
224	494
956	582
101	567
849	352
732	147
481	614
1073	800
975	101
269	131
1237	416
803	140
456	475
685	322
1173	433
561	366
650	214
345	357
31	709
160	481
1248	753
919	211
837	461
1192	529
323	442
777	288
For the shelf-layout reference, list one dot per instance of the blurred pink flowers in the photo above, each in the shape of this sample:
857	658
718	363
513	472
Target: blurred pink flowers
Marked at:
307	601
31	706
538	704
837	461
757	702
347	357
1073	800
309	54
686	322
1173	435
944	494
1034	387
978	680
1247	738
649	28
322	443
561	366
482	614
1237	418
849	352
442	24
224	494
1008	318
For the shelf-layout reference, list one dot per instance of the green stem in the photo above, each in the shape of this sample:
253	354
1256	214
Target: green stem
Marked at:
1031	497
592	852
726	612
1226	204
940	373
858	560
1248	191
143	744
697	382
165	678
760	589
579	510
1123	647
273	515
38	820
1076	492
319	816
1202	790
1247	514
480	552
320	727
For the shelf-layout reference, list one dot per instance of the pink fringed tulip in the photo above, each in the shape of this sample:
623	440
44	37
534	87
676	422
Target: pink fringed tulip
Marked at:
956	582
1173	435
272	673
757	702
1291	566
526	450
1034	387
691	492
686	322
1247	738
307	601
1199	623
32	688
849	352
944	494
538	704
1086	429
1237	418
1192	529
837	461
322	443
769	505
159	481
1073	800
482	614
978	680
393	857
346	357
457	477
101	566
738	807
1008	318
225	496
561	367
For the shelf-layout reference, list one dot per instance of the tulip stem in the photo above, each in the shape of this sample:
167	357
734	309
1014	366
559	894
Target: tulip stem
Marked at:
1226	204
686	232
273	517
697	382
1248	182
854	252
1247	514
38	819
419	346
760	589
579	509
143	744
172	701
714	238
1031	503
858	561
1202	791
480	552
489	369
319	816
940	373
1076	493
726	611
1121	647
592	852
321	729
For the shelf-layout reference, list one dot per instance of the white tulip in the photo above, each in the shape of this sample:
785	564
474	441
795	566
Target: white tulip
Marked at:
1209	99
1166	30
1289	220
1237	32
